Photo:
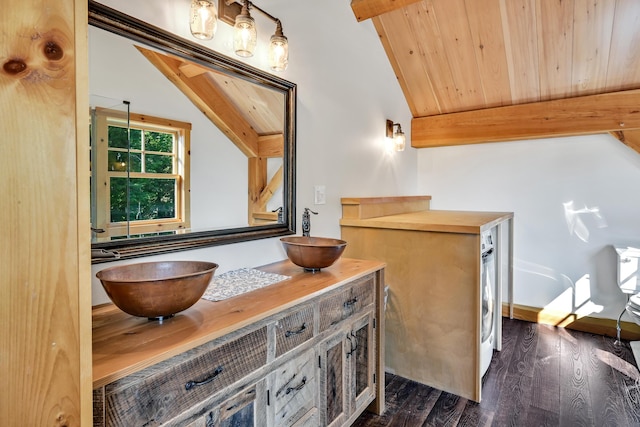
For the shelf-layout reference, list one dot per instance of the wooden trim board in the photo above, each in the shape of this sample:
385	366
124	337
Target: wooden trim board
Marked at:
594	325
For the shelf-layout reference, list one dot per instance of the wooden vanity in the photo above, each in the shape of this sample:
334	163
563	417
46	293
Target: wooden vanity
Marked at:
434	307
307	351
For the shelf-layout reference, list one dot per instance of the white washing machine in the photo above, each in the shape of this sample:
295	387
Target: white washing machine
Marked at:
488	288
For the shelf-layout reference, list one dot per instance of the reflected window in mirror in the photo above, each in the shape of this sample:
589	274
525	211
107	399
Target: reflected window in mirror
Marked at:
142	172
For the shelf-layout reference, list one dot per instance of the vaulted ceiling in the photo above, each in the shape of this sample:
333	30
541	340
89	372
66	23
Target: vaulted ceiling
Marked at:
468	64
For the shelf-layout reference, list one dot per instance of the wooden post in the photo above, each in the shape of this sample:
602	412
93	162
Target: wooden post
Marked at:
45	287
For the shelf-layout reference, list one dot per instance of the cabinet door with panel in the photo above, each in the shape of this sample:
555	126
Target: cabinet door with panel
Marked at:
333	402
360	360
293	389
347	364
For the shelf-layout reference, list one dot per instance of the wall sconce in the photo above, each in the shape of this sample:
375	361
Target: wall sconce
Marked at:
245	35
238	14
203	19
395	134
278	50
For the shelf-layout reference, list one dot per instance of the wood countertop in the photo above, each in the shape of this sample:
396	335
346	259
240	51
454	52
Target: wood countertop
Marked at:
468	222
124	344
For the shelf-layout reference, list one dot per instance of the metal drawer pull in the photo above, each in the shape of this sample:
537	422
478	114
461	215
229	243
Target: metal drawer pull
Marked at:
298	387
296	332
191	384
351	302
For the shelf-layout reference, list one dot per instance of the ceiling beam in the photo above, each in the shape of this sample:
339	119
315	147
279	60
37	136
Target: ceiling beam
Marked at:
210	100
607	112
271	145
365	9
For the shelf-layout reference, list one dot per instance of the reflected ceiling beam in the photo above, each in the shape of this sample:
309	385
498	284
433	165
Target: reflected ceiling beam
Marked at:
268	145
365	9
267	192
271	145
211	101
608	112
261	190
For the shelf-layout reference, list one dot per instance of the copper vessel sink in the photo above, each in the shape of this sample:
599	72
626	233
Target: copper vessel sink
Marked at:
157	290
313	253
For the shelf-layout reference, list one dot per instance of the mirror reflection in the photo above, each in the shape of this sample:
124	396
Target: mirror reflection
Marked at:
183	147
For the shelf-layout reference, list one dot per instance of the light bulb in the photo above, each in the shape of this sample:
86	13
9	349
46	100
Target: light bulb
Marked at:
400	140
204	19
245	35
278	53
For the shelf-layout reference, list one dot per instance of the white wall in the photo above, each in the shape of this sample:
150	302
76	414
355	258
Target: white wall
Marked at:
572	197
346	90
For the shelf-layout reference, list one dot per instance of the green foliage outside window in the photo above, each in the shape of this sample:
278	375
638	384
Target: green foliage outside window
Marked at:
151	152
149	198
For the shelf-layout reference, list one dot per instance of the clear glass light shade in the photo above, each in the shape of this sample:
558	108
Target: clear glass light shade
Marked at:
245	36
399	140
203	19
278	53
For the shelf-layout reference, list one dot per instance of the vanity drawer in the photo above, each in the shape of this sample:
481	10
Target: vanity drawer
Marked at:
293	330
346	303
294	389
159	393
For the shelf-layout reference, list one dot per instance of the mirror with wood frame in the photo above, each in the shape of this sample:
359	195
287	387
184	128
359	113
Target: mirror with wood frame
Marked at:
189	148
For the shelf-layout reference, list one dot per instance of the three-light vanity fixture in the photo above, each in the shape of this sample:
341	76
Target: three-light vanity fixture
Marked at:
395	136
203	19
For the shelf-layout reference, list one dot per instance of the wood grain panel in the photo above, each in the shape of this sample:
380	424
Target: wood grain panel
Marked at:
592	29
408	61
460	54
555	46
424	27
45	251
575	396
393	60
484	22
623	68
521	45
365	9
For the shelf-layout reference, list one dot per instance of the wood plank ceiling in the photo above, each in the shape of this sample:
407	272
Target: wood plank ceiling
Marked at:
454	56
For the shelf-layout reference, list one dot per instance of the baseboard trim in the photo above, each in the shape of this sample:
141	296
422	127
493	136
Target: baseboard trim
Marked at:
629	330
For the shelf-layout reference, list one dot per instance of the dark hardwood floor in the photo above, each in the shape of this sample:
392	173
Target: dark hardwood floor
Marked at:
544	376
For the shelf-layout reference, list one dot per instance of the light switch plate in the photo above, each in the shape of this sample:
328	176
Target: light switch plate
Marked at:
320	195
